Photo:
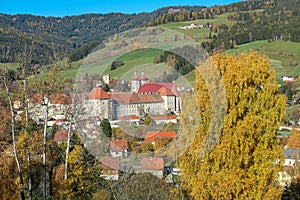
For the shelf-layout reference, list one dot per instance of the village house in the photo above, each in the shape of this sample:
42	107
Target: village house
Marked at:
119	148
110	168
61	136
151	136
161	120
154	166
137	104
287	78
167	91
291	155
99	103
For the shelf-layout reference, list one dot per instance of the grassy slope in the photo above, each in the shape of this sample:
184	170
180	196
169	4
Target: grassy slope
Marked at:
280	53
138	58
198	34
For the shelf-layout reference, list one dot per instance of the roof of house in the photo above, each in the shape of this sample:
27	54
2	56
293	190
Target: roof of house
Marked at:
292	153
128	118
98	93
163	117
54	98
118	145
109	163
61	136
165	92
155	87
129	97
152	164
152	135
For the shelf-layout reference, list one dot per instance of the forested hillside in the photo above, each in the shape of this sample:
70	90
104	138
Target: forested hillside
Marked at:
265	20
61	36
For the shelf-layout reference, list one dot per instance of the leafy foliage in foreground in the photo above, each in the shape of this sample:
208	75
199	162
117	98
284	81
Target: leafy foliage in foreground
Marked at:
243	162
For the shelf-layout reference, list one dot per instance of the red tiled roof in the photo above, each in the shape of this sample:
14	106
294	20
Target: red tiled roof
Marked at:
61	136
128	118
165	92
163	117
155	87
98	93
152	164
118	145
110	163
54	98
128	97
152	135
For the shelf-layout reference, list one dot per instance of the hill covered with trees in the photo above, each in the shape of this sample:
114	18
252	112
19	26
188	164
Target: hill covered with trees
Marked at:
70	36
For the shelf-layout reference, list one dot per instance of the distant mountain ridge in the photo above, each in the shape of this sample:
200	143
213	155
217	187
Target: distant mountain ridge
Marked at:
63	35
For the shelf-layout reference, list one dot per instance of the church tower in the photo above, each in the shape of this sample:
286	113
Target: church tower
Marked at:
143	79
135	83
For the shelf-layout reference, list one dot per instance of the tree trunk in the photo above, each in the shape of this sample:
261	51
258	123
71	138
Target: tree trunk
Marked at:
44	153
22	193
50	173
29	177
67	150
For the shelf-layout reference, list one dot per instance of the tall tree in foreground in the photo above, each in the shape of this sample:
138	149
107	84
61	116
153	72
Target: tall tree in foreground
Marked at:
243	163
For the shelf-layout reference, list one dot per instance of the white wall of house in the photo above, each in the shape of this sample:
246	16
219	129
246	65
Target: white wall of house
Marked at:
99	107
289	162
153	108
119	153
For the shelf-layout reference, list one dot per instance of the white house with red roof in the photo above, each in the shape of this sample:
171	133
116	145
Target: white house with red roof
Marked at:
151	136
99	104
61	136
154	166
137	104
168	92
164	119
110	168
119	148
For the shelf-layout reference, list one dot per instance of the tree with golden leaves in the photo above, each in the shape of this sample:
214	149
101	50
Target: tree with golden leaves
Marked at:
294	139
241	160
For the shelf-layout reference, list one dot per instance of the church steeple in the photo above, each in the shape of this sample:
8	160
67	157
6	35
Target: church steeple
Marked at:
143	78
135	83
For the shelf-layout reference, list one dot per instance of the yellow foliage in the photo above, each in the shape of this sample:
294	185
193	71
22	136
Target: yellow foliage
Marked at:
242	163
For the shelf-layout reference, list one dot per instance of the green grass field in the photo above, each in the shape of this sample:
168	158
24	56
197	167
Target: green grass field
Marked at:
281	54
198	34
135	59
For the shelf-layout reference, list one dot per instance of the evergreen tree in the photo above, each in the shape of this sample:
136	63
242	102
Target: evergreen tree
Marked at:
106	127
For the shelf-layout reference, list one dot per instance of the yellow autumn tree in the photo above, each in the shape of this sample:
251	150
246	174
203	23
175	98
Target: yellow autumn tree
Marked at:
241	160
294	139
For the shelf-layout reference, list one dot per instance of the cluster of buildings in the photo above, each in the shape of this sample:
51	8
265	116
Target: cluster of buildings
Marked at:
119	161
193	26
145	97
156	99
